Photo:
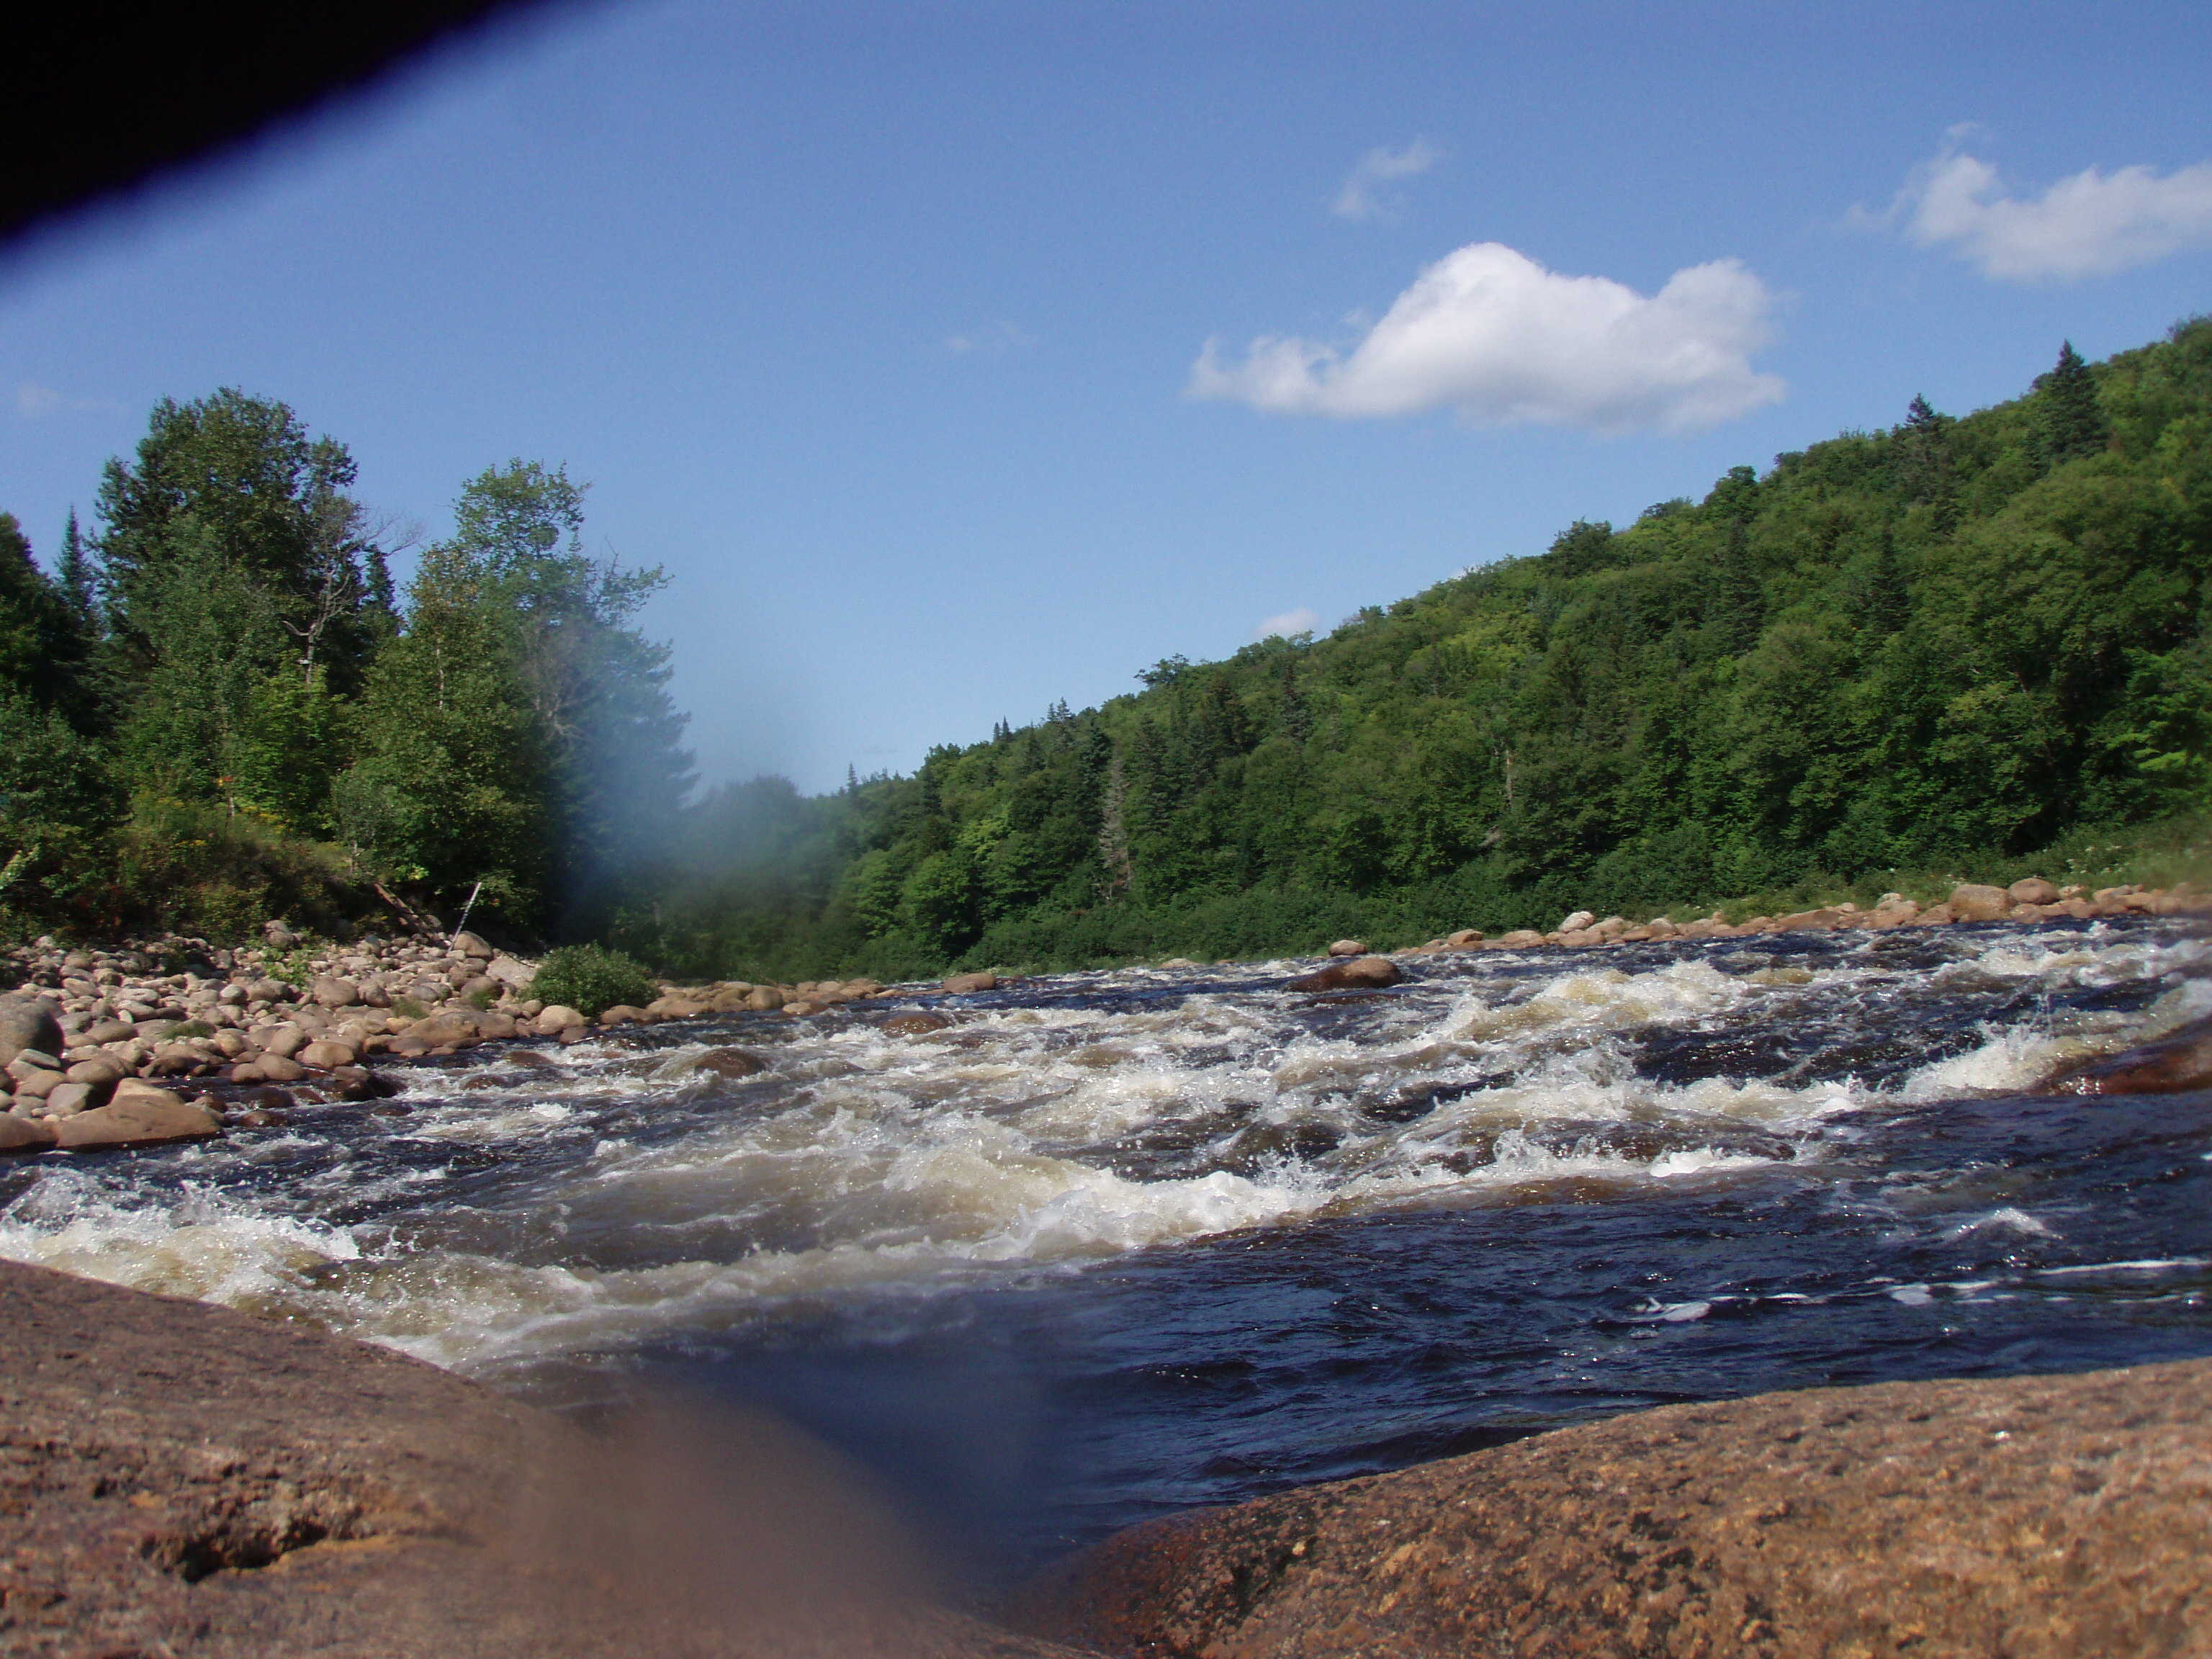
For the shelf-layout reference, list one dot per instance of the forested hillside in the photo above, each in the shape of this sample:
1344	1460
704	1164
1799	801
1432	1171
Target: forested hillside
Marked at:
1952	642
1955	640
215	709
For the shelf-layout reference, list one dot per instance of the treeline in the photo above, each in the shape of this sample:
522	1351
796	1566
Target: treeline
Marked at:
1957	641
216	708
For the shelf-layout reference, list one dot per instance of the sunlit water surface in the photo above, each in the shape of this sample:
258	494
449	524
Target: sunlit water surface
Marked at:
1119	1243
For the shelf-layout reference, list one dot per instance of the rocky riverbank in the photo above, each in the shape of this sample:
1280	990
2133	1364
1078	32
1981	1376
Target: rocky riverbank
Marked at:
105	1049
2031	899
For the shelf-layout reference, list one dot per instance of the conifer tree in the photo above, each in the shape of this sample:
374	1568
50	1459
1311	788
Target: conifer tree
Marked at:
2070	420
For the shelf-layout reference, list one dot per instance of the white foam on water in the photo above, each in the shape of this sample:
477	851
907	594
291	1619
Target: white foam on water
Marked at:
1028	1139
193	1243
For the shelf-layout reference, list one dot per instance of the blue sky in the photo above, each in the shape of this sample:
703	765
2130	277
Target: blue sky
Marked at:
885	328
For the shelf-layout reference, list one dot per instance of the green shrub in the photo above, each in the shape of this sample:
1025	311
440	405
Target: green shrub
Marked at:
591	980
408	1008
481	1000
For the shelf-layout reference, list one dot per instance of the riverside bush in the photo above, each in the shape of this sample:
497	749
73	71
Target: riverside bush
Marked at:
591	980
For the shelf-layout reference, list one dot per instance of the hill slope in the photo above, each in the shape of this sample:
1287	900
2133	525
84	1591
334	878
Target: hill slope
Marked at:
1959	638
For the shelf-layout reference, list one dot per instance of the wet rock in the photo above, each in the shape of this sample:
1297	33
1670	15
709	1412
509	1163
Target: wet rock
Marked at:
920	1022
2063	1517
551	1022
2182	1061
1361	973
762	999
268	1100
623	1014
24	1135
730	1063
326	1055
1348	947
29	1021
801	1008
1178	962
143	1116
2033	891
959	984
269	1068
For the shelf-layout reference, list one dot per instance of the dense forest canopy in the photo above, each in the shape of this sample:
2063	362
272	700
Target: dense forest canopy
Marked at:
1958	640
217	706
1953	641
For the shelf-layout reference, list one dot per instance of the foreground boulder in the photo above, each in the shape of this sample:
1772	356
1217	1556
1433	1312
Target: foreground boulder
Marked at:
200	1484
1360	974
2037	1517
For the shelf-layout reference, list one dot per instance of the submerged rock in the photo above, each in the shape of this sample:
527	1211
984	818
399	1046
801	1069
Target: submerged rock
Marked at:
920	1022
2172	1064
2059	1517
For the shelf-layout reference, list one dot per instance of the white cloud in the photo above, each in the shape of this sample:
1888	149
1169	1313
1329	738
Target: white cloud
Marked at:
1359	199
1300	621
2091	224
1488	331
992	339
32	401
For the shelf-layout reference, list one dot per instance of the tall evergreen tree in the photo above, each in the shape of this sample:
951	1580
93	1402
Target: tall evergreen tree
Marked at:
73	573
2070	421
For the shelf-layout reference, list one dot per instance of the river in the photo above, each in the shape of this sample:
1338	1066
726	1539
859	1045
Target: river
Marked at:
1118	1243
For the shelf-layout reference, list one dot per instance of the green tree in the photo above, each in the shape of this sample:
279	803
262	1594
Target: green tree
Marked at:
2070	422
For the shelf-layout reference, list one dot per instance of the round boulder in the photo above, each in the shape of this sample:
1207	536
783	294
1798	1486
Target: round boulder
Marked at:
1974	902
1348	947
29	1021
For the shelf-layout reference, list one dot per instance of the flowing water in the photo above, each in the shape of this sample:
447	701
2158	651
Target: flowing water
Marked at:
1118	1243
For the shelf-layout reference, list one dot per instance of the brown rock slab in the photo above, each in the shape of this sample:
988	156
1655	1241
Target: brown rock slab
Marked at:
2181	1060
182	1480
959	984
2036	1517
142	1117
24	1135
1359	974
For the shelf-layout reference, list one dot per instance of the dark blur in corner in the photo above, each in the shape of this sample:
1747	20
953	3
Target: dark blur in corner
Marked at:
107	98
